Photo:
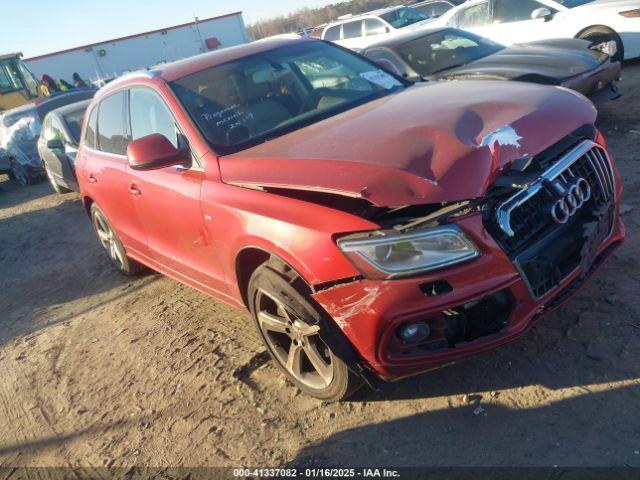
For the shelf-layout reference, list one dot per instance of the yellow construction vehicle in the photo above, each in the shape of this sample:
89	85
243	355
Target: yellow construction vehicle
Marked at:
18	86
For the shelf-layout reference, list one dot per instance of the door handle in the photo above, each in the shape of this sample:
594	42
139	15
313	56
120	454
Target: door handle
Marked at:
92	179
135	191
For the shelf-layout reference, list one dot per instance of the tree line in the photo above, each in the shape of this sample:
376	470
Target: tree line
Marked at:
312	17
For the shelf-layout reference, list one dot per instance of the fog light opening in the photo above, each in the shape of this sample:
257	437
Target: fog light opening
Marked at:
414	332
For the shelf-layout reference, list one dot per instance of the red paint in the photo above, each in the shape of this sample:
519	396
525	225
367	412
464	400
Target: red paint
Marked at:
418	146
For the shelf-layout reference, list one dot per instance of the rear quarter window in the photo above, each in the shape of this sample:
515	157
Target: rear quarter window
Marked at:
111	130
90	133
332	33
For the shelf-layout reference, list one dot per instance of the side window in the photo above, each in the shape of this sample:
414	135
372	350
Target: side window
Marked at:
149	114
352	29
57	132
475	16
333	33
46	128
374	27
386	60
90	134
437	9
111	132
514	10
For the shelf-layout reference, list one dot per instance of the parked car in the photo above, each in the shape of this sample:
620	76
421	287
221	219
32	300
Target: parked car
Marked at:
435	8
20	130
58	145
373	227
359	31
515	21
451	54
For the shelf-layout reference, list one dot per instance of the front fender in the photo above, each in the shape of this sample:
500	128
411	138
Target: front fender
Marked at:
300	233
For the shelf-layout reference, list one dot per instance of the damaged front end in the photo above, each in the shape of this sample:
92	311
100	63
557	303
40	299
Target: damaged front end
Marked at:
562	223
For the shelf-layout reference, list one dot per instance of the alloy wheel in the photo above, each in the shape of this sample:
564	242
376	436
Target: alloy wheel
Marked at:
296	345
108	240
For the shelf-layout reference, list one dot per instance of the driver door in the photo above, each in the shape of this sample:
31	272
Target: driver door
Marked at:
168	199
477	19
512	22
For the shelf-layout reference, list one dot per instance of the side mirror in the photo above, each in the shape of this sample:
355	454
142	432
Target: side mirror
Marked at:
155	151
55	144
387	29
541	13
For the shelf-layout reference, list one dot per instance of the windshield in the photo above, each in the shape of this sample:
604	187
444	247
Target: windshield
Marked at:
573	3
403	17
10	80
444	50
242	103
74	123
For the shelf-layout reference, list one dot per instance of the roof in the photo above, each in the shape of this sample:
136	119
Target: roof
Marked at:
403	38
10	55
170	72
372	13
72	107
174	70
119	39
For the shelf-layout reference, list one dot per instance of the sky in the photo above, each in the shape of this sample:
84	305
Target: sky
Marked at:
34	27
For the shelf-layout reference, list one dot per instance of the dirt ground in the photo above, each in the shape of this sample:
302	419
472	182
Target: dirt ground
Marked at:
100	370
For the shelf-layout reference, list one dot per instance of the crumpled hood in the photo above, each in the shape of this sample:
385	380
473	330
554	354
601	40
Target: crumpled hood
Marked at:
558	59
431	143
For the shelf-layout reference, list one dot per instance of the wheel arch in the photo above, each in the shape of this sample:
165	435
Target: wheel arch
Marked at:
605	27
249	258
86	203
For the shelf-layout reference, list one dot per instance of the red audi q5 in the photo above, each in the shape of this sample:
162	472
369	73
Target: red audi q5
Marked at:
374	229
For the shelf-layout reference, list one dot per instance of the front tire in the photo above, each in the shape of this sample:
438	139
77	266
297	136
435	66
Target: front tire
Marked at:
597	35
112	245
290	328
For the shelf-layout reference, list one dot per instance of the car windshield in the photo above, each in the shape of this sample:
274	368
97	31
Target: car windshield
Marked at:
573	3
74	123
444	50
403	17
242	103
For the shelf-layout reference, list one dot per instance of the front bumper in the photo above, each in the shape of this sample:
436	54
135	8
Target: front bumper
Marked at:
598	85
370	312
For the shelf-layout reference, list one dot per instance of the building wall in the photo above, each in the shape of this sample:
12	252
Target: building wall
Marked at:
111	59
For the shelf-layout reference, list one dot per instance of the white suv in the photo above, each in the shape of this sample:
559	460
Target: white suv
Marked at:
359	31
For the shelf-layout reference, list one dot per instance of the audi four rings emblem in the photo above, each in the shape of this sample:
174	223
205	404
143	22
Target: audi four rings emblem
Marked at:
574	195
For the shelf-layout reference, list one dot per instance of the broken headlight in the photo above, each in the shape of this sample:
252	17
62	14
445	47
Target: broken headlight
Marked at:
392	255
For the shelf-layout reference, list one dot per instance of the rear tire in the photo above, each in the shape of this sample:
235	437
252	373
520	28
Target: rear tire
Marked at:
598	35
289	327
111	244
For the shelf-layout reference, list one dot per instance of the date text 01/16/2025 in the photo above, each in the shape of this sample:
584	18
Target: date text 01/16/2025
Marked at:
315	473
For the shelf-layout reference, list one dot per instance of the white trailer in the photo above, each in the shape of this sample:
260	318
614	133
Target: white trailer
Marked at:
111	58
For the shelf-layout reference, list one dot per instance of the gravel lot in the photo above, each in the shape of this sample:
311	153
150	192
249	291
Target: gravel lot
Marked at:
100	370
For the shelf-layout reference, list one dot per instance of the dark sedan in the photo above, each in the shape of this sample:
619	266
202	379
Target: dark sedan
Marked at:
19	132
451	54
58	145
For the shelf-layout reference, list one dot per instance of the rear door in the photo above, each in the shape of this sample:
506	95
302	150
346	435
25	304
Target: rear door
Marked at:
352	35
104	167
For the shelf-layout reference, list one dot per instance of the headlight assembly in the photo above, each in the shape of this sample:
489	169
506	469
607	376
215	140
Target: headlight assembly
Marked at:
392	255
